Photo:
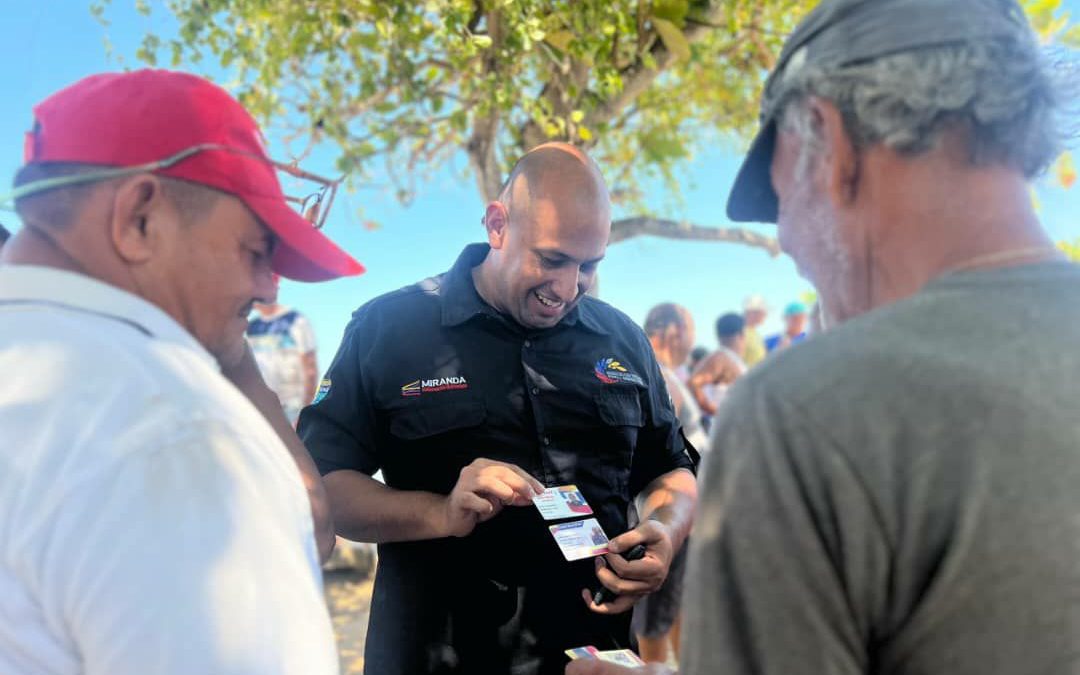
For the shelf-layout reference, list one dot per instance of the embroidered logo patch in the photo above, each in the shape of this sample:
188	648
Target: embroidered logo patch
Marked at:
324	389
419	387
610	371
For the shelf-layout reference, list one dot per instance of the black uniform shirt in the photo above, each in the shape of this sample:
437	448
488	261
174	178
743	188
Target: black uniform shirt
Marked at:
429	378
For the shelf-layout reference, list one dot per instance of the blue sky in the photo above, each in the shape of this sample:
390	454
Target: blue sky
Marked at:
48	44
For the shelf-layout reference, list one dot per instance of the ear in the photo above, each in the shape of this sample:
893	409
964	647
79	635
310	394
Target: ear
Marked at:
496	220
136	210
840	157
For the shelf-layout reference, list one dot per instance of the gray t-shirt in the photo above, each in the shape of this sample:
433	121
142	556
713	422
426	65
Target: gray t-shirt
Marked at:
901	495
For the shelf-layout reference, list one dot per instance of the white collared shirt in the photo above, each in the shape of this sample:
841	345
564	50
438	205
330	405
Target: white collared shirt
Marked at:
150	520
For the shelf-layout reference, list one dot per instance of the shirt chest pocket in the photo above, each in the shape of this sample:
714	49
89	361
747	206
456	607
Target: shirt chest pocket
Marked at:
620	410
598	455
429	444
431	421
619	419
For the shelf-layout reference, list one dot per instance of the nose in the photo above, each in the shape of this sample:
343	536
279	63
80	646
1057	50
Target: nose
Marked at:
566	284
266	286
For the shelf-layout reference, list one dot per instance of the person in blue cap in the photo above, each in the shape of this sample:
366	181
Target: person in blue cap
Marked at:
795	317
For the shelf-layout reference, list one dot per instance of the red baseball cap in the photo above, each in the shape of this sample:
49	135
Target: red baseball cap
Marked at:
129	119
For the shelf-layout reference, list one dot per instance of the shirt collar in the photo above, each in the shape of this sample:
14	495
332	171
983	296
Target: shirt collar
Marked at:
30	284
461	301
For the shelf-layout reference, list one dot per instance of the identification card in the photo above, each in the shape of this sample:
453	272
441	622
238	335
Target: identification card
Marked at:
582	653
581	539
558	503
622	657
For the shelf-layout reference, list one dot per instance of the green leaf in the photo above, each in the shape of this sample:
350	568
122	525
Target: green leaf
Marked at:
1071	37
560	39
482	41
673	38
1071	249
674	11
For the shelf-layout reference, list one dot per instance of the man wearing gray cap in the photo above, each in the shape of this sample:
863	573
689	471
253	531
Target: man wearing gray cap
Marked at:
911	507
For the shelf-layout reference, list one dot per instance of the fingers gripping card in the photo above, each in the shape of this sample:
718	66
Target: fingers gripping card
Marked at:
558	503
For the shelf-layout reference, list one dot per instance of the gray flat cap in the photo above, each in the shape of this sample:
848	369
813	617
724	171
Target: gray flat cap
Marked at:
841	32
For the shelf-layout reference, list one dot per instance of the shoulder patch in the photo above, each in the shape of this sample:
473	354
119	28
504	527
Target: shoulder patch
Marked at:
324	389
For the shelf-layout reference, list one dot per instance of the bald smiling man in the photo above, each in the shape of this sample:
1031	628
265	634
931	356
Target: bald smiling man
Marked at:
474	390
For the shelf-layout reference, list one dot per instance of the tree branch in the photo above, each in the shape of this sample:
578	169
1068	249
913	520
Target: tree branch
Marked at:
637	78
638	226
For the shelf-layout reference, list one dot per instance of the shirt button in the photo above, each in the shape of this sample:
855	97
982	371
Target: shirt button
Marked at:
546	440
535	391
528	343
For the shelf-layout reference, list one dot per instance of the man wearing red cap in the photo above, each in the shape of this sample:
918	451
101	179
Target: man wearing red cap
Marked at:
140	491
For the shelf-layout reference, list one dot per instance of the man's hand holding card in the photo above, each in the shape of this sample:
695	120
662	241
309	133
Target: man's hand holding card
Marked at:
628	579
483	489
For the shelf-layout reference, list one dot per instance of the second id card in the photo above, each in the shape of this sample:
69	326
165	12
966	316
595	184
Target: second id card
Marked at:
558	503
580	539
623	657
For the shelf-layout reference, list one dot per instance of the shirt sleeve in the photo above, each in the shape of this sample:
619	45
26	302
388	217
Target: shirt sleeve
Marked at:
662	447
788	563
179	558
338	429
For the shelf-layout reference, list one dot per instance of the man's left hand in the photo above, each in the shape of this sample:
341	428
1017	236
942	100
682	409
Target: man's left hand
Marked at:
632	580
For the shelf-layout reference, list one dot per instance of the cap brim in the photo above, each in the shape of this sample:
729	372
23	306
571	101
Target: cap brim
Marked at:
752	198
303	253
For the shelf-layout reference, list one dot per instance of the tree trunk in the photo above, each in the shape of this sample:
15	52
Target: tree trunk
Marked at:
481	144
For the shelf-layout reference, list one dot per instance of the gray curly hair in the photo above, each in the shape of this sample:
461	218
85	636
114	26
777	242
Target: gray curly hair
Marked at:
1001	91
